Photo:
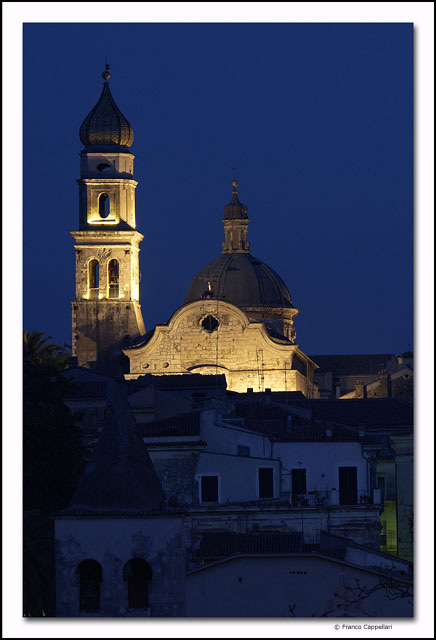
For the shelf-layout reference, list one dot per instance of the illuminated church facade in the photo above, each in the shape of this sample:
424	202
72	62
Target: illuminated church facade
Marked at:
237	318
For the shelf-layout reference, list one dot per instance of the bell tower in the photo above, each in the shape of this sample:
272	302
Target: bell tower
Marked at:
106	314
235	224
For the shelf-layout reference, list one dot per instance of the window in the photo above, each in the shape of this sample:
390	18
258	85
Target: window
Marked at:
243	451
103	205
93	278
266	482
209	489
347	485
114	278
299	489
137	574
381	484
210	324
103	166
90	577
78	416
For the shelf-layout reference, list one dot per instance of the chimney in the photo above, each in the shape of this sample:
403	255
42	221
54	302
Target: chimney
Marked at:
385	383
360	389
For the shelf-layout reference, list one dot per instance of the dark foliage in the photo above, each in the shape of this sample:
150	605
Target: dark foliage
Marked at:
52	450
38	565
53	460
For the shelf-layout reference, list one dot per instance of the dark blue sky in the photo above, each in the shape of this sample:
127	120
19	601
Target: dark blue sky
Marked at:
318	121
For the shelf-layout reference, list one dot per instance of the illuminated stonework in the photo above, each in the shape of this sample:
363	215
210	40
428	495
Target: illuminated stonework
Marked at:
241	349
106	312
110	175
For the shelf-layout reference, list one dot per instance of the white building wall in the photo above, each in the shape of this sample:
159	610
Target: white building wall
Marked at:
225	437
238	476
321	461
267	586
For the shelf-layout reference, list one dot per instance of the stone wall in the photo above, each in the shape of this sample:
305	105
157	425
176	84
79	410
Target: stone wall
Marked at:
237	347
101	324
112	542
101	328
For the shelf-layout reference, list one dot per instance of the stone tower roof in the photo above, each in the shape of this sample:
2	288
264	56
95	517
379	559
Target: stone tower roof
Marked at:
120	477
105	125
235	210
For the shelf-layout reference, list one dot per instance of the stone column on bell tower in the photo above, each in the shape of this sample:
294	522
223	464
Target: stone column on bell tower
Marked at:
106	314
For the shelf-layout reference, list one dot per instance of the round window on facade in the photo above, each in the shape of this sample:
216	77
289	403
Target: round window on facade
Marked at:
210	324
165	365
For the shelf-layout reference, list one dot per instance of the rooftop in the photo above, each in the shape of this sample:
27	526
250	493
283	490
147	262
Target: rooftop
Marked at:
187	424
215	545
372	412
120	476
184	380
352	365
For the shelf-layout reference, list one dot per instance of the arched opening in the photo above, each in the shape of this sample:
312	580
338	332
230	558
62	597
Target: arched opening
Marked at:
103	205
114	278
103	166
93	278
90	577
137	573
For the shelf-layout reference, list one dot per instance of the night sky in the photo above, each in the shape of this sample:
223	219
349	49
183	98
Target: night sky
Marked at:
316	118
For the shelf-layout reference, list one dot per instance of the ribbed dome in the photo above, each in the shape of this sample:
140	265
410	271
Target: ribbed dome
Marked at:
105	125
241	279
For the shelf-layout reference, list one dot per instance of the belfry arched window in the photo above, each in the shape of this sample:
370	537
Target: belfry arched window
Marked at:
103	205
137	574
114	278
90	577
93	278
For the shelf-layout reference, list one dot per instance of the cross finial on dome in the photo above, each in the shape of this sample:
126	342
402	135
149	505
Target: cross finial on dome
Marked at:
106	73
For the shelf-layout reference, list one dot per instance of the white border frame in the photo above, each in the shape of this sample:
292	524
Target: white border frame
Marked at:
14	14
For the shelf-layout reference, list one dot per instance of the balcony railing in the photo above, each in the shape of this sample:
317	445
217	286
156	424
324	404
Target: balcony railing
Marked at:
333	498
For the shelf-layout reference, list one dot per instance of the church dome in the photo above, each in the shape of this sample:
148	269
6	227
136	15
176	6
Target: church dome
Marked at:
105	125
242	280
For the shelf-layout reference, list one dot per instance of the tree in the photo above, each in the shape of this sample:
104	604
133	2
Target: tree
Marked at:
53	455
53	460
38	565
351	598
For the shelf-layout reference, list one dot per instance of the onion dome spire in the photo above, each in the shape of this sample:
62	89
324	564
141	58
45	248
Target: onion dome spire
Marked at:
105	127
235	209
235	224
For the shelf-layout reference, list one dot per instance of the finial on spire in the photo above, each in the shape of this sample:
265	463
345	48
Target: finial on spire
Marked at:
235	183
106	74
